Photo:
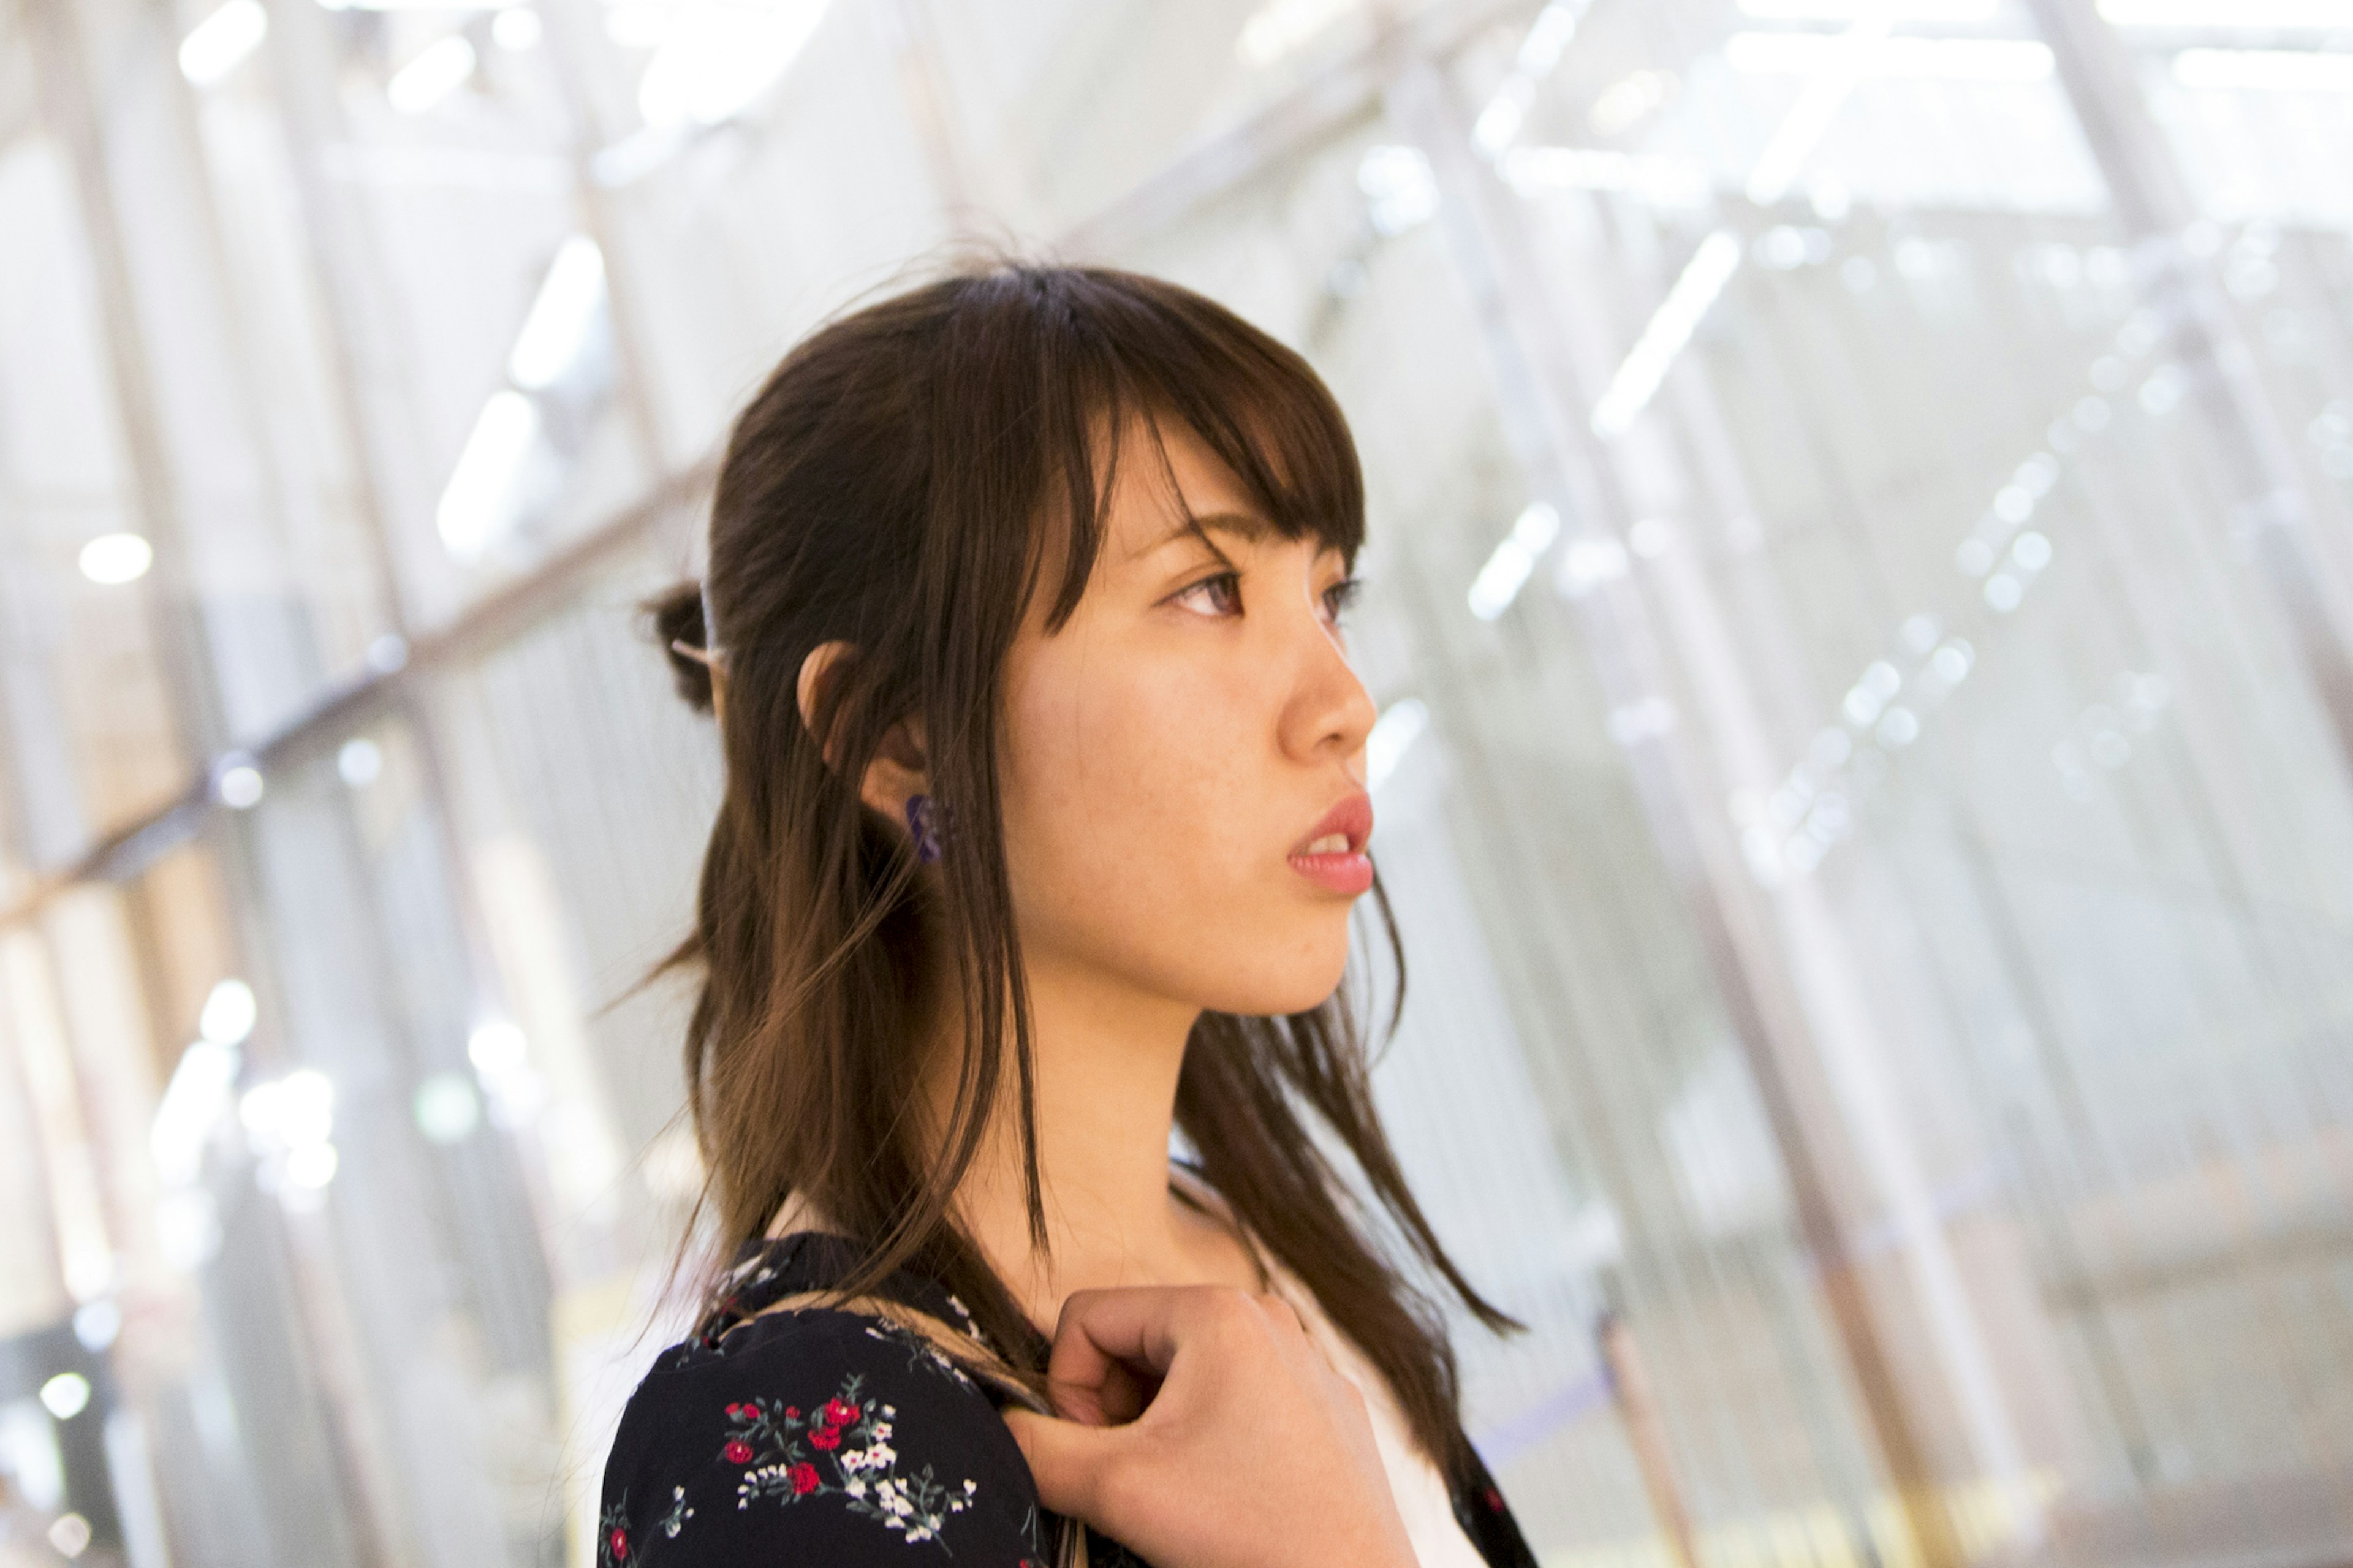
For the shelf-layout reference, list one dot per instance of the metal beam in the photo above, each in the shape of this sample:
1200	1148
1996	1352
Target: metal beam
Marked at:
1347	90
2272	508
489	623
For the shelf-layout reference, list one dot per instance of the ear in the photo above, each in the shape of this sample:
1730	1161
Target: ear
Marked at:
901	767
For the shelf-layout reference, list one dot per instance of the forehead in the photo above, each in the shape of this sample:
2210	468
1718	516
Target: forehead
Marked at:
1159	484
1162	492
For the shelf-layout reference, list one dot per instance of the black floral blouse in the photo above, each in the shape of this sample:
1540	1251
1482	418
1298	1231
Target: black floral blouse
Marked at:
821	1436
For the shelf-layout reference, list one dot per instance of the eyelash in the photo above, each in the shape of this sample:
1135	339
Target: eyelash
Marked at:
1337	598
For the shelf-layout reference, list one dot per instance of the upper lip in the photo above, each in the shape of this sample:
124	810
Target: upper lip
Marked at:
1353	816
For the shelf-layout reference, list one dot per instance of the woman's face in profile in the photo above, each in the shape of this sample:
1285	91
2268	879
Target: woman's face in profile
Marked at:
1173	752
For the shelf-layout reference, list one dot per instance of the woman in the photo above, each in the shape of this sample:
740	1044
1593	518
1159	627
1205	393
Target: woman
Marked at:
1043	822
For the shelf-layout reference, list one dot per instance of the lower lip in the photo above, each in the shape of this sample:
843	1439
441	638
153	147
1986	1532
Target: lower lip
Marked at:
1349	874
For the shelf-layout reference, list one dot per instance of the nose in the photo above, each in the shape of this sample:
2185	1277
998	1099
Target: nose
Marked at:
1329	714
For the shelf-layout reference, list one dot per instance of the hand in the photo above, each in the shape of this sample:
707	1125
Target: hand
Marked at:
1204	1429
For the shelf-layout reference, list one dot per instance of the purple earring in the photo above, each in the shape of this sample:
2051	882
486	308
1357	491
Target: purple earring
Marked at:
921	829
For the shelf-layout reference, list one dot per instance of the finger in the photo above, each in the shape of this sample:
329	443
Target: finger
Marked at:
1121	1397
1066	1459
1089	1382
1140	1325
1280	1311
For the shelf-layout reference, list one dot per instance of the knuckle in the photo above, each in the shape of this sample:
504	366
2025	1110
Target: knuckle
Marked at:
1281	1312
1226	1308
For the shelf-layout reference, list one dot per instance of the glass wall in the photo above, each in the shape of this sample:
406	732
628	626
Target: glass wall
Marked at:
1859	596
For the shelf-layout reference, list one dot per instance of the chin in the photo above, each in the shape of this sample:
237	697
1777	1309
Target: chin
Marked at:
1253	986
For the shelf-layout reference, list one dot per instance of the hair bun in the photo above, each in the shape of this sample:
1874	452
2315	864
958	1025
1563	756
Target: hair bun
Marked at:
676	615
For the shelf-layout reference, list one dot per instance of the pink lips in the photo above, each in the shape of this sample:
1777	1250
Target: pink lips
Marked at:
1348	870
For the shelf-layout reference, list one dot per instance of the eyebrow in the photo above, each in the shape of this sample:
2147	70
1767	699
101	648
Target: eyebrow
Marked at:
1248	527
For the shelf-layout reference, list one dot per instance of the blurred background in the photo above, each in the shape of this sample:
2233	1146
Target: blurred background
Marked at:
1861	599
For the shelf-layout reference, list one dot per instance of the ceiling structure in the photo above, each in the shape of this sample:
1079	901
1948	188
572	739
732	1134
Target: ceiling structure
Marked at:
1859	595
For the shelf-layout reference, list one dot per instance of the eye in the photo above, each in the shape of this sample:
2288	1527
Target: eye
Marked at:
1340	597
1217	595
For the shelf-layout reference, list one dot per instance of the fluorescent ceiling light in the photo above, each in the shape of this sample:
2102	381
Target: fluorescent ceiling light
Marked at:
1589	562
1547	35
1280	27
2240	16
1506	571
516	28
219	43
240	786
66	1396
1678	316
112	558
228	1014
438	70
447	1108
1540	51
1626	101
1400	190
192	1102
1949	12
1828	84
1400	725
1673	180
1955	59
717	57
290	1111
478	505
2264	71
565	308
1500	121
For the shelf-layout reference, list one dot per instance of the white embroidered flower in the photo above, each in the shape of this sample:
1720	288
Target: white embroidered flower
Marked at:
855	1485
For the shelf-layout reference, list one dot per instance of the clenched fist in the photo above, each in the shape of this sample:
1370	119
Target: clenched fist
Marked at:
1203	1427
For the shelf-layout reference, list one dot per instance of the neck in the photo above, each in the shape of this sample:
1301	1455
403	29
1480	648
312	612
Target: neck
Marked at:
1107	1059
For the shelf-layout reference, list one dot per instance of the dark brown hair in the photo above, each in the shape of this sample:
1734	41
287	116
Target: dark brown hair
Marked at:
897	485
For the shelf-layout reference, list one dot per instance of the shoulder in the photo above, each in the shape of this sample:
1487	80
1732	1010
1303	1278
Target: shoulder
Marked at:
814	1433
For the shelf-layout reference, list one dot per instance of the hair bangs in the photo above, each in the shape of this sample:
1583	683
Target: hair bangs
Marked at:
1137	354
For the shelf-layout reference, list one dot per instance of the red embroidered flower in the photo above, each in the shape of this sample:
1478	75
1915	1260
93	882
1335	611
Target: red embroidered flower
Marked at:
792	1412
803	1479
826	1437
735	1413
620	1541
738	1451
836	1413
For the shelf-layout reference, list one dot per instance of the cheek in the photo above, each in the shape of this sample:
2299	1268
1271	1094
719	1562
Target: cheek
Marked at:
1145	827
1124	786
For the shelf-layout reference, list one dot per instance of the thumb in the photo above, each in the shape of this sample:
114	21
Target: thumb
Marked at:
1067	1459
